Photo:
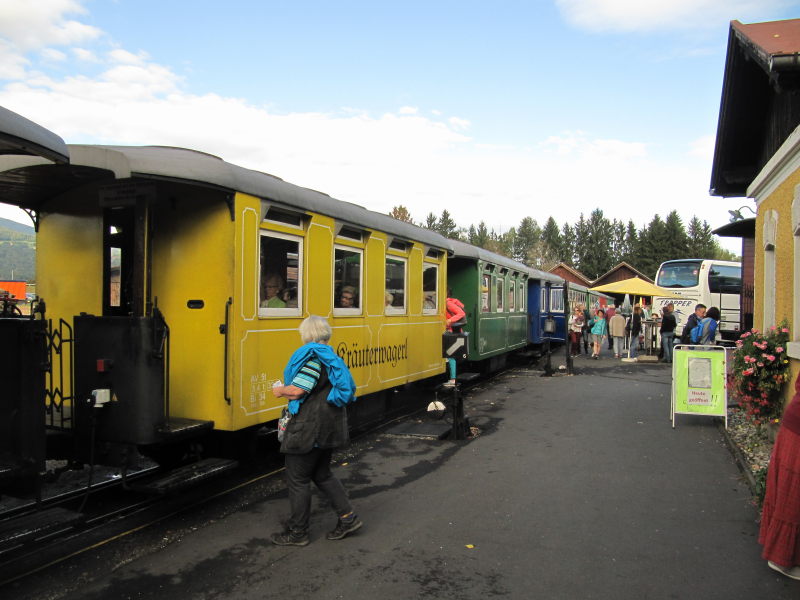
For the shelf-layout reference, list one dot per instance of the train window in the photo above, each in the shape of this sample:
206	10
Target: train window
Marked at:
543	299
395	298
557	299
430	295
512	297
486	288
350	233
523	296
500	291
283	216
281	275
399	245
347	276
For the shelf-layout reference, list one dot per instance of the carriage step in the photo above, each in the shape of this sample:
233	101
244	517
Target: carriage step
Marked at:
185	476
176	429
19	530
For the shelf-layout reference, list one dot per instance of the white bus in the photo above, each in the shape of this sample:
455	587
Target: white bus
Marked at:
710	282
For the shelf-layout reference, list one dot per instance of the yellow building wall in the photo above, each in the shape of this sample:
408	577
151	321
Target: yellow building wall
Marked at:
781	201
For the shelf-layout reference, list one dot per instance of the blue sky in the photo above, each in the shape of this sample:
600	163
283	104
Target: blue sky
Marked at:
493	110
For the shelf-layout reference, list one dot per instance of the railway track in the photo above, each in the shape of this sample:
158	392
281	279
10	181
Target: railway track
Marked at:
112	513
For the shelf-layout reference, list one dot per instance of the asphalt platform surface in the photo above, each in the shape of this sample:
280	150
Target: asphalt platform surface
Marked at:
577	487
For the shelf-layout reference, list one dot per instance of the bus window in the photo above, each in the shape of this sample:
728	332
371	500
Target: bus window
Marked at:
682	274
724	279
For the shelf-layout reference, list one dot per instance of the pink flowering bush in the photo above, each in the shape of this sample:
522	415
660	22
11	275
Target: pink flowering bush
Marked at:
760	368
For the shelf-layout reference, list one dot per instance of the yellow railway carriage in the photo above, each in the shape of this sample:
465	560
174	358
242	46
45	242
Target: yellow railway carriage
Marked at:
185	278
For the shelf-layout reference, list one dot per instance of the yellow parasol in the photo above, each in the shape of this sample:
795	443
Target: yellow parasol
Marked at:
635	287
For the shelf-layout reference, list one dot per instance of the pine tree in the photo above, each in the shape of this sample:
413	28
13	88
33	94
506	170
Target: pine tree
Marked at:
701	242
431	222
527	236
551	238
677	240
566	253
479	237
447	226
596	245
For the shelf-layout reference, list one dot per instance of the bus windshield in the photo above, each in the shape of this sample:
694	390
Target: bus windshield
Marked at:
683	274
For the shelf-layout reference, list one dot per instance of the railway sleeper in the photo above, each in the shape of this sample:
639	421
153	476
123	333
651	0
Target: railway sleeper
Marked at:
183	477
28	528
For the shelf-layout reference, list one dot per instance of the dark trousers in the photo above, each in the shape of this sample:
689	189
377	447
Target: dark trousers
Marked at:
301	470
575	343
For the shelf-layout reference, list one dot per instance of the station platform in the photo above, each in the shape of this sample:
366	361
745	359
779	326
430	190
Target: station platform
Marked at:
576	487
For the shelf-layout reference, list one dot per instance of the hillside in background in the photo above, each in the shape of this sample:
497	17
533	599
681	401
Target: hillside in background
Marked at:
17	251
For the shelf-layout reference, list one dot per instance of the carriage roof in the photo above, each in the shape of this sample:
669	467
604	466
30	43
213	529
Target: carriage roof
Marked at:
464	250
24	182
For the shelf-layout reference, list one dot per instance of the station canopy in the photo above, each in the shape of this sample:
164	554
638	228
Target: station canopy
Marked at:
635	287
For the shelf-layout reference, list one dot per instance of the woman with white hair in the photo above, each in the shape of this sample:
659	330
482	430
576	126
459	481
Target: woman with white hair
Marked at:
319	387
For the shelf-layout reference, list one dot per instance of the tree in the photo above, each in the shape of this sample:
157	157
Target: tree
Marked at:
595	245
551	238
447	226
701	243
566	250
479	237
677	239
401	213
431	222
527	236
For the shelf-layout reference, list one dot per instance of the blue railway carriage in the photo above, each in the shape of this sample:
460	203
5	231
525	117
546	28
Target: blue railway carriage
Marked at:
545	301
576	294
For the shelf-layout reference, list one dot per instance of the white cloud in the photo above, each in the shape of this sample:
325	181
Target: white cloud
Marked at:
53	55
32	25
642	16
408	110
85	55
703	147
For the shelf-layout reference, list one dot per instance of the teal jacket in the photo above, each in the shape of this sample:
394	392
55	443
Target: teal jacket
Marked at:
599	326
343	388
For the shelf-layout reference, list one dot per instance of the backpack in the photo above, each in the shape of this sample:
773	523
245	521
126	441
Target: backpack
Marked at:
705	330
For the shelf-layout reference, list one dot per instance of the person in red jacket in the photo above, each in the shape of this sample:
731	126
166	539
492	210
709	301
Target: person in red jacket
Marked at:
456	317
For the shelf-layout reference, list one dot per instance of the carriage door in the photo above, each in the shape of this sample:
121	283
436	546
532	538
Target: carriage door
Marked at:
126	257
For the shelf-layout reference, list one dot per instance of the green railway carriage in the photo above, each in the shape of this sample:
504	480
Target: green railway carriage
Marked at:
494	290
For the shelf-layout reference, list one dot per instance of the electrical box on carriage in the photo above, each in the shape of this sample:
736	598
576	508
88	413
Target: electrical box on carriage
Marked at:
119	379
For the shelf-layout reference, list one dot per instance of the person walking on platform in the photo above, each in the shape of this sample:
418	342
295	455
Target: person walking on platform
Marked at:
668	325
319	388
780	518
616	330
610	312
633	329
456	317
587	334
599	329
576	323
691	322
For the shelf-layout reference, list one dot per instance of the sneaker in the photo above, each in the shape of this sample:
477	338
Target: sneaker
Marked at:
792	572
290	538
344	528
450	383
